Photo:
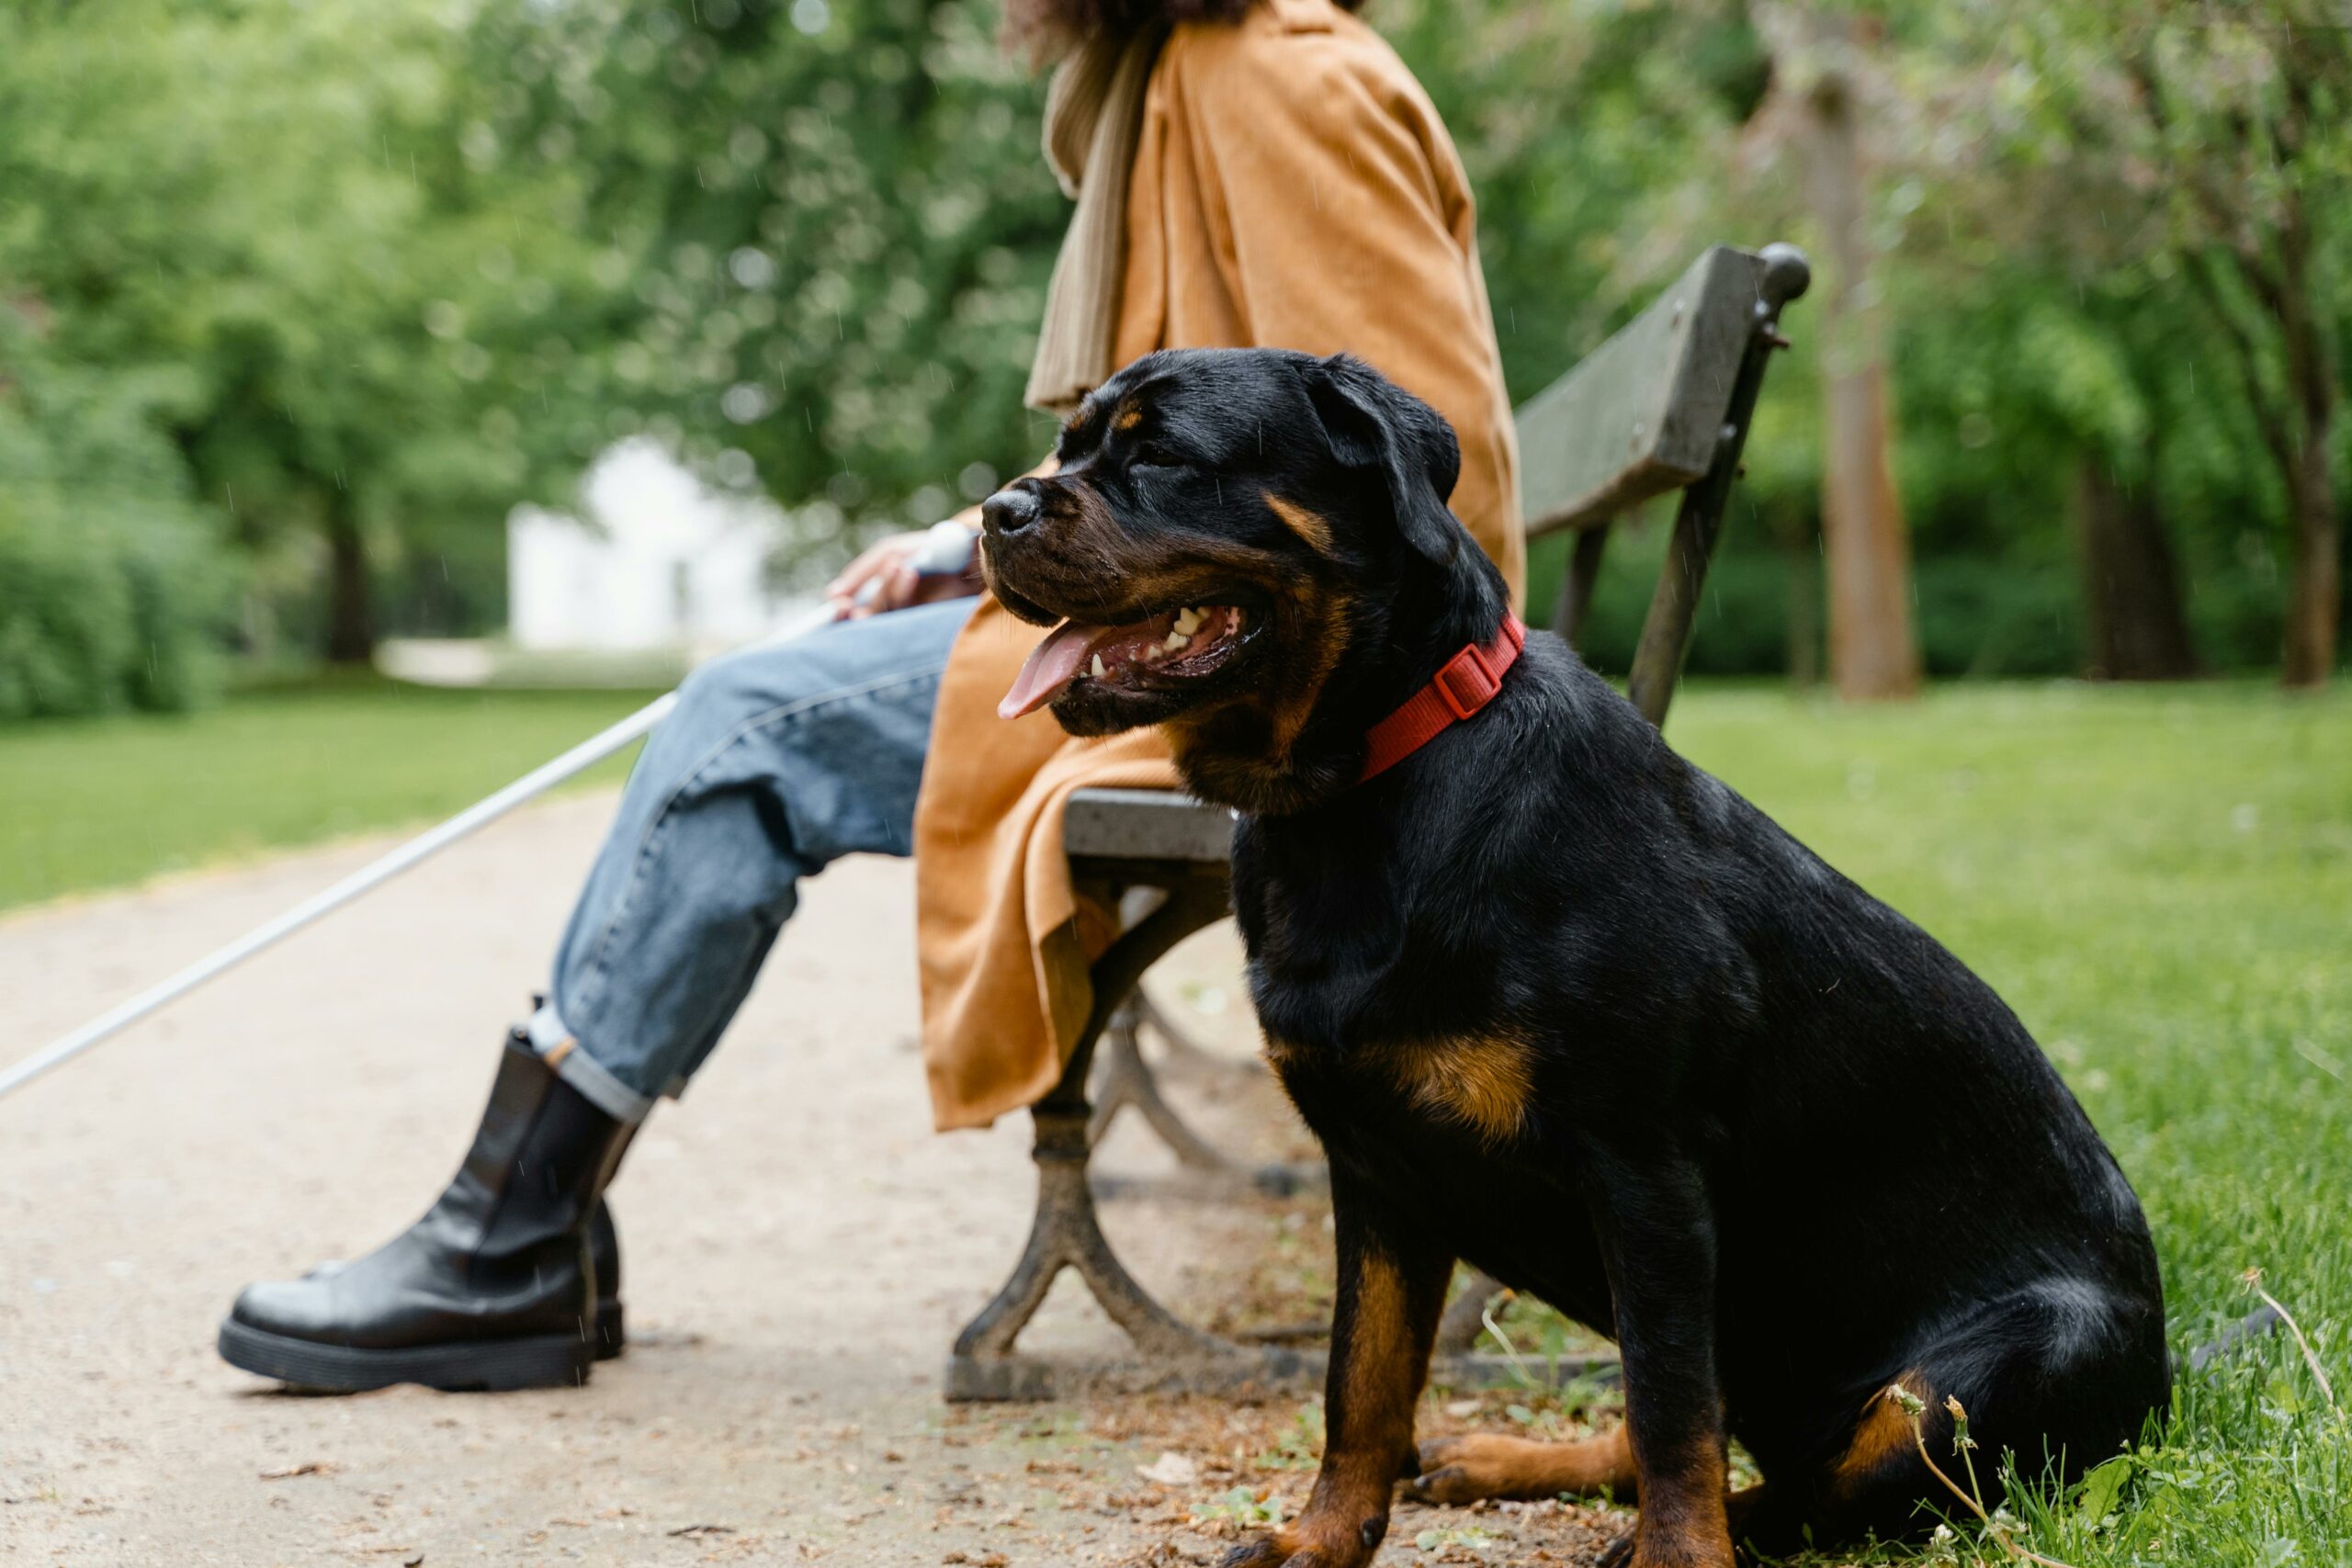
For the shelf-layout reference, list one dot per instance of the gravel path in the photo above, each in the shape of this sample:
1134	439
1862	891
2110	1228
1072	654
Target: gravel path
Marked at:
799	1250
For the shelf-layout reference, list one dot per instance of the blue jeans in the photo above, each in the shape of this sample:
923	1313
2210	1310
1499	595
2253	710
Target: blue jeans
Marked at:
776	761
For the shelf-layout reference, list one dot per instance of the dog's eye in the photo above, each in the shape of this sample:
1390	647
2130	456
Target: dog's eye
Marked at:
1155	458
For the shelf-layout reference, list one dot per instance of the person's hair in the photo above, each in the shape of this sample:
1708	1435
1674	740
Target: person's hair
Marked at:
1046	27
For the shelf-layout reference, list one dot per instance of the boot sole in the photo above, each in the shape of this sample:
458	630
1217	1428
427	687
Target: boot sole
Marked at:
556	1360
612	1337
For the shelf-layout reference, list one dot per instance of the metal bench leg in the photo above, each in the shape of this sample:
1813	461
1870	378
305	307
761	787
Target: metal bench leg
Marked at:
1067	1233
1575	584
1182	1054
1465	1316
1126	1080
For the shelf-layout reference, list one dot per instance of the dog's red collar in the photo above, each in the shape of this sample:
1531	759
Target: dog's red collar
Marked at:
1464	685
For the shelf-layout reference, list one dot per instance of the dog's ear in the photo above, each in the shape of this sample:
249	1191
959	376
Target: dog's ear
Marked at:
1372	423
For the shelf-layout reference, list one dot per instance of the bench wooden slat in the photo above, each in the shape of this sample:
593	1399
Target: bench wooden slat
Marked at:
1641	414
1146	824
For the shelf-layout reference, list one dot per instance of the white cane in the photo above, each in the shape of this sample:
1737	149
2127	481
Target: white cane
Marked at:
941	555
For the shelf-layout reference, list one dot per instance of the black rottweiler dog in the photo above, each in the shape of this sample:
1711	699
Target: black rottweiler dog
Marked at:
1564	1006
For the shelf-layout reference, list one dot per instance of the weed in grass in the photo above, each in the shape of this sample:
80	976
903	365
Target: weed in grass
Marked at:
1301	1445
1241	1507
1455	1543
2251	1279
2000	1526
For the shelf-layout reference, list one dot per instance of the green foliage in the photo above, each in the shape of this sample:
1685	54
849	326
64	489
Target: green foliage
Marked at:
112	582
831	229
281	218
1242	1506
402	263
1301	1445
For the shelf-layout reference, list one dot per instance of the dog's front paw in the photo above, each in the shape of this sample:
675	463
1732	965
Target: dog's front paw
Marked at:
1310	1543
1268	1550
1665	1550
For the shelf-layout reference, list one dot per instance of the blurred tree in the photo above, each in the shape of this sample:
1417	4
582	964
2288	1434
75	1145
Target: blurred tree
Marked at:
829	227
373	272
113	582
1826	80
282	209
2234	126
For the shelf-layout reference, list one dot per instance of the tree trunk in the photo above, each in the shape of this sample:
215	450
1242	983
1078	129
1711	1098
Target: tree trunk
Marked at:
2315	591
351	619
1874	652
2135	624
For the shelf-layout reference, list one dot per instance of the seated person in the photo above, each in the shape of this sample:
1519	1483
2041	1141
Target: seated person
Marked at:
1249	173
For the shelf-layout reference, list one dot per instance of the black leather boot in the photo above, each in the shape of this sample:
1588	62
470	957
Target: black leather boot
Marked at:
604	1254
494	1287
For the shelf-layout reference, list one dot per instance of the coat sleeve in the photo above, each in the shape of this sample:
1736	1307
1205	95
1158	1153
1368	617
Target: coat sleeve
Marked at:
1347	225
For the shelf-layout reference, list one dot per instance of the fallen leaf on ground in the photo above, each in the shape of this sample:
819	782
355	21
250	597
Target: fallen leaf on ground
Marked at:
311	1467
1170	1470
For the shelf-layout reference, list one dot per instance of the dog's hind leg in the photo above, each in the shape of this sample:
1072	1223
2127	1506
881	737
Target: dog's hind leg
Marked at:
2060	1373
1483	1464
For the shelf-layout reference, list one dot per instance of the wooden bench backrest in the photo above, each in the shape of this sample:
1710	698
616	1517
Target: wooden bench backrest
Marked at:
1643	413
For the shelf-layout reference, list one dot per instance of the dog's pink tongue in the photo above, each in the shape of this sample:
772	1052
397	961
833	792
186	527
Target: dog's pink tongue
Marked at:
1052	666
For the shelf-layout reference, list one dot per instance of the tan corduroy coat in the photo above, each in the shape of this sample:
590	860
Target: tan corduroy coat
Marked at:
1293	188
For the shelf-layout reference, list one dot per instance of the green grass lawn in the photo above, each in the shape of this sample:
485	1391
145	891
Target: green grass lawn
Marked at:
97	803
2160	882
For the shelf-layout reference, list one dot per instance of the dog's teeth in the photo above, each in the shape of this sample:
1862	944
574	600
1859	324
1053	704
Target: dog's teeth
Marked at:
1096	668
1188	621
1176	639
1154	654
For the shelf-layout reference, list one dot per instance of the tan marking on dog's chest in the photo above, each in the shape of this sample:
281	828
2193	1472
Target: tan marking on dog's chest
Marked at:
1483	1082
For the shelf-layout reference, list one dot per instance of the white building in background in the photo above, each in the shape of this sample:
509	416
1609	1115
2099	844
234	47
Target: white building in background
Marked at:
667	564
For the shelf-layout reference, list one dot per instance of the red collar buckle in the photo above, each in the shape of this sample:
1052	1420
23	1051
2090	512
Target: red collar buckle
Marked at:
1465	682
1462	685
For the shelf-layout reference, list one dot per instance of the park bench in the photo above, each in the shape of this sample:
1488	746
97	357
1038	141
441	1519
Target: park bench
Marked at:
1664	405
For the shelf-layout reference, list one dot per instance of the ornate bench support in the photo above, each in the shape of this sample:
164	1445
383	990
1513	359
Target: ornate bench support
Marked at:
1127	1080
1068	1234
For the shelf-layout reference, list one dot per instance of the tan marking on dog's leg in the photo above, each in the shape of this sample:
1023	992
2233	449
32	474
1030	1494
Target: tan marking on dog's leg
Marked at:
1883	1434
1685	1521
1310	526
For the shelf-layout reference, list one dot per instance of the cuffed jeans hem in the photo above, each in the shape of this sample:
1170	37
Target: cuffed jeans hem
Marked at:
560	1049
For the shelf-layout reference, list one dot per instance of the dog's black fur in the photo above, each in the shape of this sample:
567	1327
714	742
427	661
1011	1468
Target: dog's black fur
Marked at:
1564	1006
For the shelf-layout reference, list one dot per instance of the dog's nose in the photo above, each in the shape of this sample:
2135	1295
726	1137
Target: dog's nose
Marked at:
1011	509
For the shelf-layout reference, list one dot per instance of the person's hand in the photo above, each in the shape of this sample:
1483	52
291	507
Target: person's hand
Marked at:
889	566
